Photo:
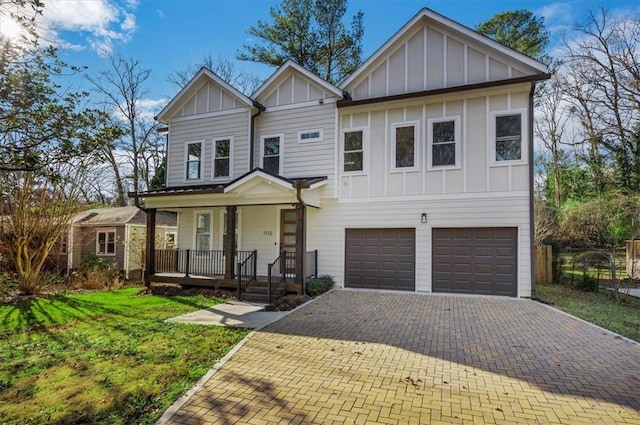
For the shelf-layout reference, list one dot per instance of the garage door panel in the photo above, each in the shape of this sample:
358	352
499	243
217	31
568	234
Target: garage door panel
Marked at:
380	259
484	260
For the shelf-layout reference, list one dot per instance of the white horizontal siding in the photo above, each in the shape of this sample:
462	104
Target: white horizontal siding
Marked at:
326	229
204	130
302	159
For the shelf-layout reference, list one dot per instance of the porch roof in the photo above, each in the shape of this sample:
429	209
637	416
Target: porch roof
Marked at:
257	187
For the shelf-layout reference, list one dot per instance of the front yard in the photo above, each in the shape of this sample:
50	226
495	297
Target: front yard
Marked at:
103	357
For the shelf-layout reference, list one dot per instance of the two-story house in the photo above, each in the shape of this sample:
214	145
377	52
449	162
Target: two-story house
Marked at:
414	175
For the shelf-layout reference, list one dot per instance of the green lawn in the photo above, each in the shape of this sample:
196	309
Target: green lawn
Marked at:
622	317
102	357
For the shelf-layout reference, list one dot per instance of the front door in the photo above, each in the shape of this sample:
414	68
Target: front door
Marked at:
288	224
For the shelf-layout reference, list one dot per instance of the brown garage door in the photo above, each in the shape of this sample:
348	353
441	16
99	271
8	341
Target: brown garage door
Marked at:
380	259
475	260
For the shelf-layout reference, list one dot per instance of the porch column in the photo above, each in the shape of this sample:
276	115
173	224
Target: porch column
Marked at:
230	243
150	246
301	242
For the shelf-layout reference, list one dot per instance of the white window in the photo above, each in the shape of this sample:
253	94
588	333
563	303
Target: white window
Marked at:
106	242
443	136
404	138
354	143
193	156
170	240
222	153
271	148
223	230
308	136
203	231
508	132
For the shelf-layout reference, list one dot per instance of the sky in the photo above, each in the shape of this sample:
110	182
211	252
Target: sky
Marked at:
167	35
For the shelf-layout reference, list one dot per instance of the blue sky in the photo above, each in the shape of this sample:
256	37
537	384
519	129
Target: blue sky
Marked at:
166	35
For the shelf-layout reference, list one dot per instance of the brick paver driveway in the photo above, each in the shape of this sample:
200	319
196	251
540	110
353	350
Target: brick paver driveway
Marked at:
369	358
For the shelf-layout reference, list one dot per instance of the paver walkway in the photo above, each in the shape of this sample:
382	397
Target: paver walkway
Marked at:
387	358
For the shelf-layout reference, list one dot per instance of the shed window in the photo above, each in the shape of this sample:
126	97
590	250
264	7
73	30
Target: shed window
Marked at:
106	243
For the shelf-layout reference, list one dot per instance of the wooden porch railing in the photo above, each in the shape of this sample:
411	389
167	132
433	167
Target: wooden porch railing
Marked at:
195	262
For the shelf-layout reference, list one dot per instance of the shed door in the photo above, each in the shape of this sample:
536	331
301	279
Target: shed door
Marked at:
380	259
475	260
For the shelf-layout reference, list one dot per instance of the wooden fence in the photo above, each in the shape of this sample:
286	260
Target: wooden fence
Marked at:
544	264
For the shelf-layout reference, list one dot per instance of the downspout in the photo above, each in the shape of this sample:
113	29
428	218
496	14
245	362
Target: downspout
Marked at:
261	109
303	206
532	253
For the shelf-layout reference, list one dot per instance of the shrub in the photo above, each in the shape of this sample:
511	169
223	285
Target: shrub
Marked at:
320	285
286	303
96	273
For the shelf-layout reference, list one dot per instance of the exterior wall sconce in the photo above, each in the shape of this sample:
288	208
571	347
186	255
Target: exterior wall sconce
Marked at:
423	218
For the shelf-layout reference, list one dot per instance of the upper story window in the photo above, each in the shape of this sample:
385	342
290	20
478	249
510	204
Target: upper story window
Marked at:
203	232
508	137
353	150
272	153
194	161
444	142
222	157
106	243
308	136
404	146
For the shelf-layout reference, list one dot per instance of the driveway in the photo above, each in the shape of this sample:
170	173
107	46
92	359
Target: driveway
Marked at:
386	358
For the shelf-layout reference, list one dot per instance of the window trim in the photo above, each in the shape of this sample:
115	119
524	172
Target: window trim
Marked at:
365	151
185	175
106	231
195	228
313	139
175	239
457	140
223	224
524	137
213	158
280	151
416	155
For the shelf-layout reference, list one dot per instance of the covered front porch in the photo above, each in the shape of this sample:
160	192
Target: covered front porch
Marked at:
266	214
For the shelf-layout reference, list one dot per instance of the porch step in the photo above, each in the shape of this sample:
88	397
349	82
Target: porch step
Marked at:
258	291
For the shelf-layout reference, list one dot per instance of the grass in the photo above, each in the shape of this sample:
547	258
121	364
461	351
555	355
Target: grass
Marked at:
102	357
622	317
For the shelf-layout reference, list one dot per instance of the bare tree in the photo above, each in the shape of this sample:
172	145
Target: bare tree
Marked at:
223	67
136	155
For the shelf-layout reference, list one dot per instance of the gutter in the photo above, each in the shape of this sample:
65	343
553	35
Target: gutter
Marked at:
261	109
532	254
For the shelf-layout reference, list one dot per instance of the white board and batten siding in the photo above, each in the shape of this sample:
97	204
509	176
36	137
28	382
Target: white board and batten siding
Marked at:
430	56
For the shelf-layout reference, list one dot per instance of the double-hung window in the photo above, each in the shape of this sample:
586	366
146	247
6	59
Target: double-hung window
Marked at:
222	157
444	142
353	159
106	242
272	154
194	161
203	231
508	137
404	146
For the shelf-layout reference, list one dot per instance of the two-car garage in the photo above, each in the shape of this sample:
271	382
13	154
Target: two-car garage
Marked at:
480	260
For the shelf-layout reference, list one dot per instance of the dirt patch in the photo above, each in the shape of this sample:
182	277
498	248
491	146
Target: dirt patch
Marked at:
167	290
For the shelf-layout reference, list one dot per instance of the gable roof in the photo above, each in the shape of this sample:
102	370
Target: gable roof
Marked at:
430	15
119	216
203	74
291	66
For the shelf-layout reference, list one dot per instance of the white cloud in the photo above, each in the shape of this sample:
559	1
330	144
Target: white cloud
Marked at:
101	22
146	108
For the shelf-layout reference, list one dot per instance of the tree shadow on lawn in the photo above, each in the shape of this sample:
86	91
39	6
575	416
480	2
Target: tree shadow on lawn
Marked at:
519	339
